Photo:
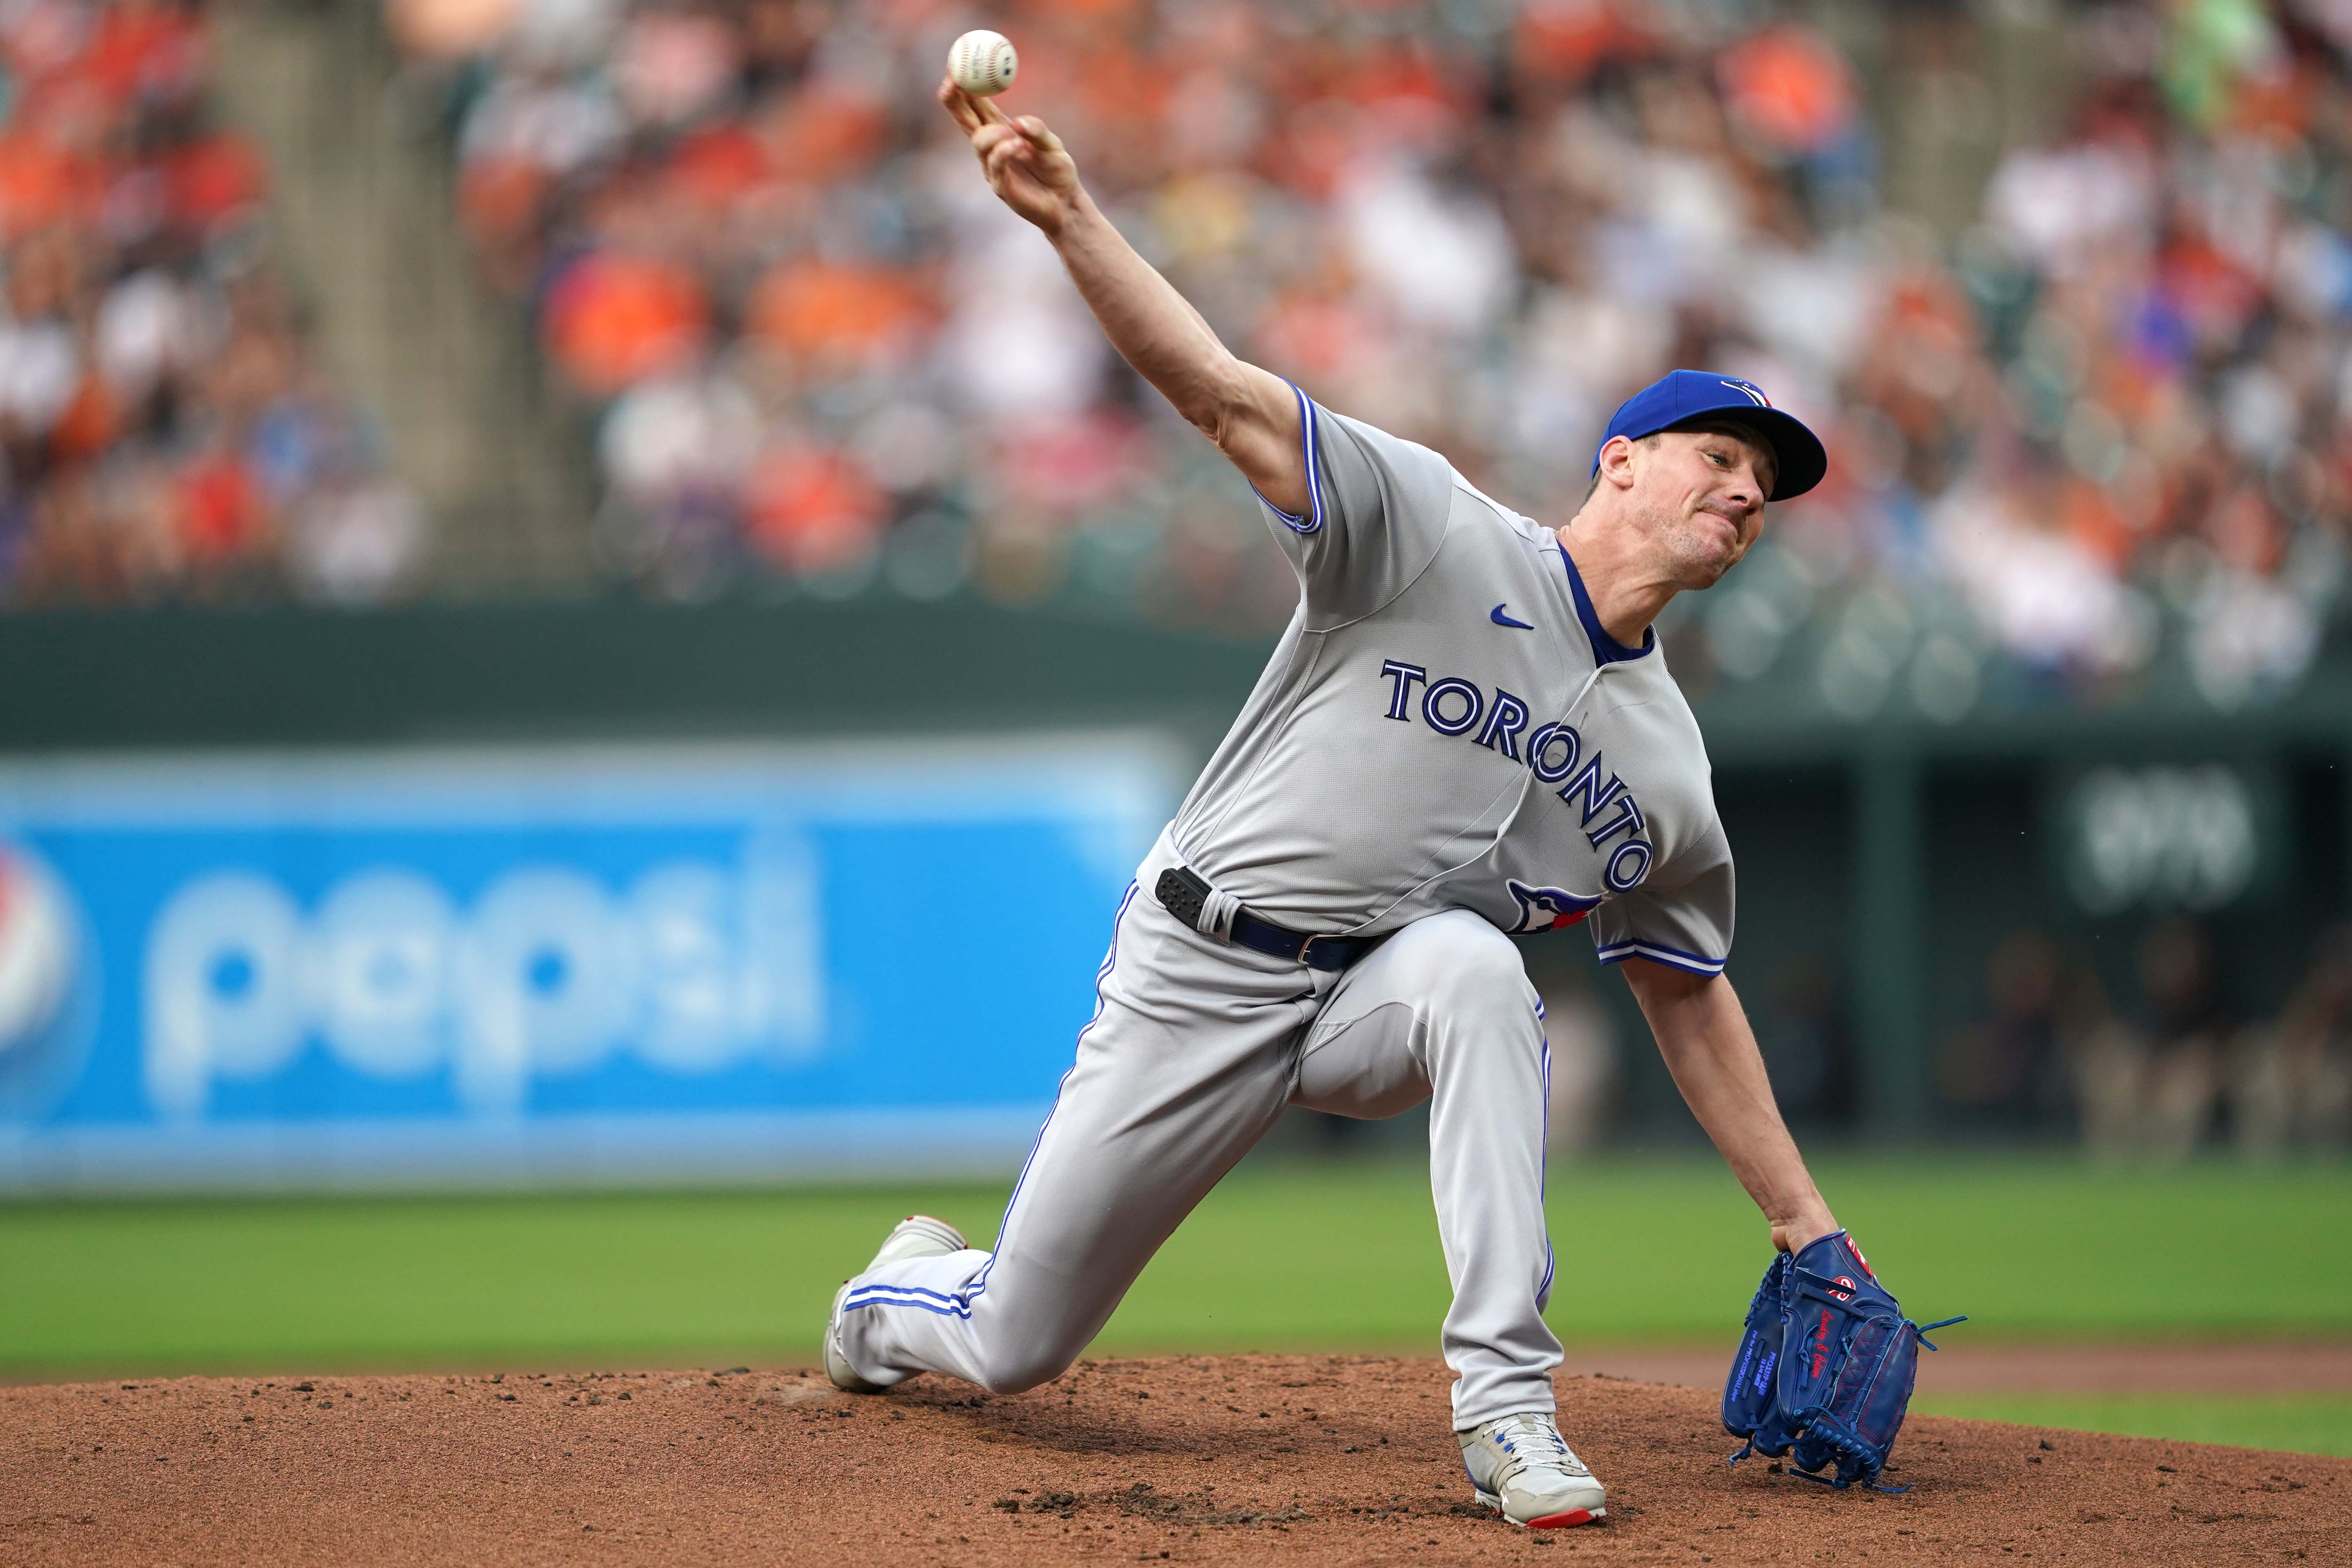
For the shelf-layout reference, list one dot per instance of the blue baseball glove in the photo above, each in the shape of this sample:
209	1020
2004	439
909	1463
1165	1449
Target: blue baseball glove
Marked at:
1825	1364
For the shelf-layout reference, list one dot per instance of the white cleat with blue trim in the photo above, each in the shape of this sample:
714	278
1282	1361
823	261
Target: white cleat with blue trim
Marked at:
917	1236
1524	1471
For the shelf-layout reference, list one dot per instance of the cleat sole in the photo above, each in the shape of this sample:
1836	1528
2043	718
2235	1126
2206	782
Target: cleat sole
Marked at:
1563	1520
1573	1517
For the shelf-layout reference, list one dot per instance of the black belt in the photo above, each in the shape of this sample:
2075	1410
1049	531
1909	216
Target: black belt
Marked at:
1183	894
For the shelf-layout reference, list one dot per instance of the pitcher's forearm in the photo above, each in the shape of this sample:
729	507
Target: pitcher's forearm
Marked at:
1249	413
1252	416
1765	1158
1153	326
1703	1036
1735	1105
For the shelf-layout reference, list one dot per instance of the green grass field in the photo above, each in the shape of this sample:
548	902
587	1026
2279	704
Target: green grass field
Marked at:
1283	1256
2300	1423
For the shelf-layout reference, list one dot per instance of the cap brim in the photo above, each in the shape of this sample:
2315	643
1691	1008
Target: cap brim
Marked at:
1798	459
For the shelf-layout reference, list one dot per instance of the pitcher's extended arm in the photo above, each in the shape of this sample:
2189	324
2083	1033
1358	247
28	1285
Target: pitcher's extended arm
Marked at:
1249	412
1703	1036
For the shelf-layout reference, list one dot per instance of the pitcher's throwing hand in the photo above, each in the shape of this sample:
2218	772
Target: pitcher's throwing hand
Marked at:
1026	164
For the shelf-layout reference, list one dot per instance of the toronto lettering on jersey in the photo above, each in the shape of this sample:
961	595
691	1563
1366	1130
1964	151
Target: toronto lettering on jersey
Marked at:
1606	809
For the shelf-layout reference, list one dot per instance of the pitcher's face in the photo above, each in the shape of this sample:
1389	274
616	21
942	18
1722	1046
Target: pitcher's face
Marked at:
1700	494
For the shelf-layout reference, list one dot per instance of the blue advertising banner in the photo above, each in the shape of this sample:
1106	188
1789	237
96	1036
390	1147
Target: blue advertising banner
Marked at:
556	964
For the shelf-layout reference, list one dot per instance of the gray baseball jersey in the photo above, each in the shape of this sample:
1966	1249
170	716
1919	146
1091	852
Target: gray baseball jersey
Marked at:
1446	745
1446	724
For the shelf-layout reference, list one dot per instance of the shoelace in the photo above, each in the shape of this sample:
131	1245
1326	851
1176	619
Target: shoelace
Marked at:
1539	1435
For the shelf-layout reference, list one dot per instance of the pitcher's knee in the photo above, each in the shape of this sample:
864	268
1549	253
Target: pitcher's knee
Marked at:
1456	959
1022	1368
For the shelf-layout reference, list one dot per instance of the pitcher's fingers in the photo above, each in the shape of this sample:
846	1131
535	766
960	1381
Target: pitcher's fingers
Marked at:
1006	153
987	110
1036	130
989	141
958	103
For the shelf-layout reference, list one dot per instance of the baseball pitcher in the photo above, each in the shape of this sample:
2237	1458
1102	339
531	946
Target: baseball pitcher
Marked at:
1467	731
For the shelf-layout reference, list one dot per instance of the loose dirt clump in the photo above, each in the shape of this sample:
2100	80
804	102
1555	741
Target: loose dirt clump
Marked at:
1304	1460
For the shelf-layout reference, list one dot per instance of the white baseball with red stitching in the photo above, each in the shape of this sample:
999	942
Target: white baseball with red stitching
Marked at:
982	63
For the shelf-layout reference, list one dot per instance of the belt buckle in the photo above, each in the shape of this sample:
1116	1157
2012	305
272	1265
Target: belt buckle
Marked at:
1306	950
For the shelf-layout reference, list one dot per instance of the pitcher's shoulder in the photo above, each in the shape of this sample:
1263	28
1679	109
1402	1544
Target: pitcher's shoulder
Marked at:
1470	503
1647	695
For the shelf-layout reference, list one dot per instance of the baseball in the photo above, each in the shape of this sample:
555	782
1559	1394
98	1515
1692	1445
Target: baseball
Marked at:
982	63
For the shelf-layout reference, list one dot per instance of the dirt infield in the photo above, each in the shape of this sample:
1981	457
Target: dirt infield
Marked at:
1308	1460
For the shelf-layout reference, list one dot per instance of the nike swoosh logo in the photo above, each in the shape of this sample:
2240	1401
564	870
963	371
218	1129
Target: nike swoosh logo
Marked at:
1501	619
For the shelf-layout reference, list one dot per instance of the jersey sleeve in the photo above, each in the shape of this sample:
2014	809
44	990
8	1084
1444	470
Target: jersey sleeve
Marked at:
1377	511
1680	917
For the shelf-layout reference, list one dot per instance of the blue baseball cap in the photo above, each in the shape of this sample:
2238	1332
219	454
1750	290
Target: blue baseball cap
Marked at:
1681	396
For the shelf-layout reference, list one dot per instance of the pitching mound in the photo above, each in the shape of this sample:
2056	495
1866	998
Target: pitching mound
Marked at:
1304	1460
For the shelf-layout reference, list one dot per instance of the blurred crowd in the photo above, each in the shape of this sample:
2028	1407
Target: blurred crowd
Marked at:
2105	427
164	429
2159	418
824	354
2168	1069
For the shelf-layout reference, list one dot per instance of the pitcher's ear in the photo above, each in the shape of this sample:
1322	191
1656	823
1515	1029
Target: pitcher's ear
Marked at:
1617	460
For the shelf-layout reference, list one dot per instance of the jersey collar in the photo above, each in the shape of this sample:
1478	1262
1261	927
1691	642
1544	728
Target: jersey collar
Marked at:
1606	649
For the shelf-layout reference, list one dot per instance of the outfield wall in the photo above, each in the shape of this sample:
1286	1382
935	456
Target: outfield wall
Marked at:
1880	863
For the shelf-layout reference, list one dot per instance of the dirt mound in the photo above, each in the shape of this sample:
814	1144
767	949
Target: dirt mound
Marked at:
1307	1460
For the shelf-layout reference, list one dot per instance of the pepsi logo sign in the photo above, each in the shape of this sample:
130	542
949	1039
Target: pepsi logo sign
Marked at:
691	967
38	950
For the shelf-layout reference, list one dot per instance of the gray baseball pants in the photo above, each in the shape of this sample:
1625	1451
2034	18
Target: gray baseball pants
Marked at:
1195	1047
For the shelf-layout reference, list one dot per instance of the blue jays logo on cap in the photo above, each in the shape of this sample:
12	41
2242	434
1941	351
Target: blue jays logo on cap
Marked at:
1684	396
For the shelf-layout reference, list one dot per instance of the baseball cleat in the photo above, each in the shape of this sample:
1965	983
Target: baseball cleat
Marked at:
1522	1470
917	1236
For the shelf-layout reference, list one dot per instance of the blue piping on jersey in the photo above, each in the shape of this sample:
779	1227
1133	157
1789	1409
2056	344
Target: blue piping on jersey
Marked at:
958	1303
1313	521
1658	953
1606	649
951	1298
979	1286
879	1295
1543	1162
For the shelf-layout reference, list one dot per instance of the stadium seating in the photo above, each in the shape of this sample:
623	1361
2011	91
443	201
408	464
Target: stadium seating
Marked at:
2105	418
2094	434
166	430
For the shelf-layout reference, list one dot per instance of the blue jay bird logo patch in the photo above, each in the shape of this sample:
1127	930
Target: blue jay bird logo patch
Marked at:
1547	908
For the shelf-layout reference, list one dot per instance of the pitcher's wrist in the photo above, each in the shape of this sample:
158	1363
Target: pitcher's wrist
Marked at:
1801	1229
1080	215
